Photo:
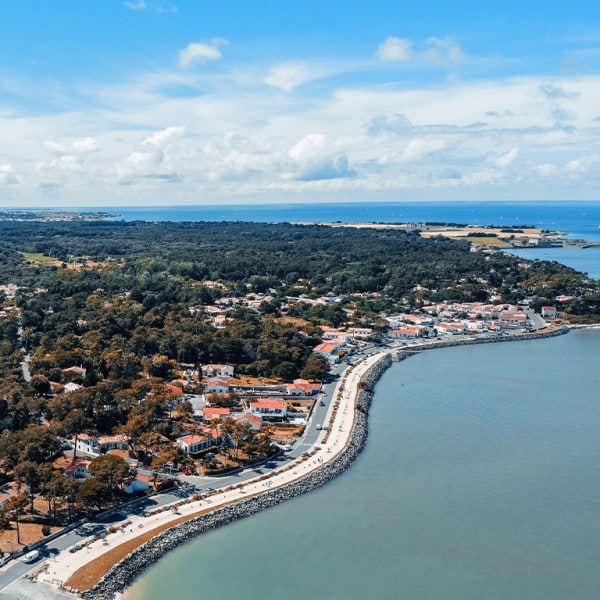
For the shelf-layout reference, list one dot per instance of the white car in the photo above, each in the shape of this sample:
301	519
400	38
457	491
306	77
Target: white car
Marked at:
31	556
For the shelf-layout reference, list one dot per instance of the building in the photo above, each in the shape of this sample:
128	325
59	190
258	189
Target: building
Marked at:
269	410
190	444
550	312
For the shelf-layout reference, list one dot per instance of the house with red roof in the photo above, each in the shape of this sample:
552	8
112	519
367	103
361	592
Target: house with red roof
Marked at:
192	443
215	412
217	385
217	370
329	350
255	421
550	312
301	387
269	410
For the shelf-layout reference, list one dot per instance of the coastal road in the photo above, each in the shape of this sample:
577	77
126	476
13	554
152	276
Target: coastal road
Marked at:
190	485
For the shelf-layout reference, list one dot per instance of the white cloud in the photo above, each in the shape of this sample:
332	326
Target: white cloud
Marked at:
7	175
419	148
504	160
141	5
435	51
197	52
395	49
443	51
290	75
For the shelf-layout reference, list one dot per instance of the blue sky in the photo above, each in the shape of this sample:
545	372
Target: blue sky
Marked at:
188	102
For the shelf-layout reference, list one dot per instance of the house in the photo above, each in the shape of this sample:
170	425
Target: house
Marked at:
254	421
217	385
301	387
215	412
71	387
113	442
444	328
80	371
269	410
217	370
404	333
515	318
550	312
190	444
329	350
78	469
96	446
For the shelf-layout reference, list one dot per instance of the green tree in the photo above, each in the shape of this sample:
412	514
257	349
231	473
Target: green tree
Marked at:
110	470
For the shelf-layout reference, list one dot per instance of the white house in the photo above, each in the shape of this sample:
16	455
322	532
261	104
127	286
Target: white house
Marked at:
217	385
269	410
329	350
549	311
217	370
190	444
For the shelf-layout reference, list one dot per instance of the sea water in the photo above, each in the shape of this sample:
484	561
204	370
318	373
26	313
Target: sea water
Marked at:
480	479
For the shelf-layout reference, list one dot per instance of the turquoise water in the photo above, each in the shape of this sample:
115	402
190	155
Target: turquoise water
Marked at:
480	479
586	260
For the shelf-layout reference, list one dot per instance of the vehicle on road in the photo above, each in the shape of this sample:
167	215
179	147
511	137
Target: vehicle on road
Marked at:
319	426
31	556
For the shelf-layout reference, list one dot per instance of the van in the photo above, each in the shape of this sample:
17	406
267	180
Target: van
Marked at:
31	556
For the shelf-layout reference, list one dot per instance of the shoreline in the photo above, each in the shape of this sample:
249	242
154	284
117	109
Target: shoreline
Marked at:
124	573
121	576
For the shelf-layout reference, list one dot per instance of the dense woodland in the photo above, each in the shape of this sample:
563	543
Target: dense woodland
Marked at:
115	298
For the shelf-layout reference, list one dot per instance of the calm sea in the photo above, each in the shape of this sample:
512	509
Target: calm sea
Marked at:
577	219
480	479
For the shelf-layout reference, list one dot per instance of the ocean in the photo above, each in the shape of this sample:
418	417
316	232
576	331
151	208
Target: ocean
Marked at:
480	479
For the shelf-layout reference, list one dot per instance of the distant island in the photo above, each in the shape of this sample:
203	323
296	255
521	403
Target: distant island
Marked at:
45	216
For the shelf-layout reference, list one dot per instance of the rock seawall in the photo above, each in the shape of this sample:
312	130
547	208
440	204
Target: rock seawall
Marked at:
402	353
123	574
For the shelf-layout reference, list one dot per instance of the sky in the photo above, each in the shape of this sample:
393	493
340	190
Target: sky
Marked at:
174	102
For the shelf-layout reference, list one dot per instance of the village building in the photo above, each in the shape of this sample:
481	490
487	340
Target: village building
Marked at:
217	371
269	410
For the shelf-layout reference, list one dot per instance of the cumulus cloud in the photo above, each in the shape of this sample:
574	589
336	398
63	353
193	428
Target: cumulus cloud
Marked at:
420	147
151	158
290	75
443	51
435	51
395	123
395	49
198	52
504	160
77	147
315	162
7	175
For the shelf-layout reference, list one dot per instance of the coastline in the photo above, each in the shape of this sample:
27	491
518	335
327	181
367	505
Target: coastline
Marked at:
121	575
